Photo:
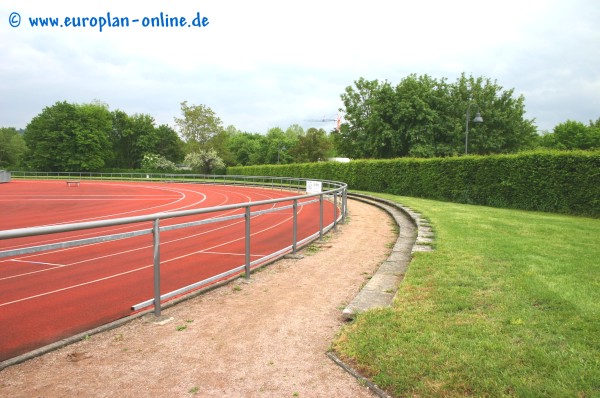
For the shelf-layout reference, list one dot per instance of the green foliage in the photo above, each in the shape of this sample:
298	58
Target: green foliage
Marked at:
131	137
561	182
12	147
69	137
245	148
205	162
221	143
274	147
311	147
152	161
293	145
198	126
88	137
506	306
426	117
134	135
167	143
573	135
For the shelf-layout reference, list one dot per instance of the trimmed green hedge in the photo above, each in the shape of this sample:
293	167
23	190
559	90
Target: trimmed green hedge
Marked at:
550	181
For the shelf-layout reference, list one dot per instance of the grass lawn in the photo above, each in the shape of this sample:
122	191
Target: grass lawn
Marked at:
508	304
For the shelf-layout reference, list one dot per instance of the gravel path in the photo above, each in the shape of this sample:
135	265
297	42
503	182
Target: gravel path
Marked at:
267	337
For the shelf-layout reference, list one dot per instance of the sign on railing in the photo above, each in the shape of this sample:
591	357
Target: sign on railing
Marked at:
4	176
313	187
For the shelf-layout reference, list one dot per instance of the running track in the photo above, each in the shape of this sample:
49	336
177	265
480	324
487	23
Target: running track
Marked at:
48	296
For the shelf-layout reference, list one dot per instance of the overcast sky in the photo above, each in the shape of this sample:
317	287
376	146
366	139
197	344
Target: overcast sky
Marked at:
262	64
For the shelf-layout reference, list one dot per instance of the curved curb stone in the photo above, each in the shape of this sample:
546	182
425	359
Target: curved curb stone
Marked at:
415	236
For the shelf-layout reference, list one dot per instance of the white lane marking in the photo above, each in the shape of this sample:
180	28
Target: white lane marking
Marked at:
108	231
142	247
181	195
233	254
92	200
274	205
8	197
38	263
207	251
74	286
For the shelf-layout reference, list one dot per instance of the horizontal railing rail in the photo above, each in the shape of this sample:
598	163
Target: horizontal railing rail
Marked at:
332	190
172	177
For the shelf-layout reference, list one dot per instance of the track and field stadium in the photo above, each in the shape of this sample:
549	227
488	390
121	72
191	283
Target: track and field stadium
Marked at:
76	254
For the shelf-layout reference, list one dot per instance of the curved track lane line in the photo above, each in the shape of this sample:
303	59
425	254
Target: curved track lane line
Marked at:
223	245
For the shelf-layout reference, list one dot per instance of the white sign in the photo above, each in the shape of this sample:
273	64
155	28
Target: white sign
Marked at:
313	187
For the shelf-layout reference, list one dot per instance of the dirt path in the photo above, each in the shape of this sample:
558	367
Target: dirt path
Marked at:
264	338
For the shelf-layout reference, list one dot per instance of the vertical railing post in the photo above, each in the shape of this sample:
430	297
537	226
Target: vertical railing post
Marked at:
344	205
247	267
156	235
295	227
335	211
321	217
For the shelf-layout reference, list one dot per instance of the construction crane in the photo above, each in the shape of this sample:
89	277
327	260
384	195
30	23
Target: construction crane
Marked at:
338	121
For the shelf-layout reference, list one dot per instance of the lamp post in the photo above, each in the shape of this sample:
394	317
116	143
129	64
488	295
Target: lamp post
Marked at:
477	119
280	147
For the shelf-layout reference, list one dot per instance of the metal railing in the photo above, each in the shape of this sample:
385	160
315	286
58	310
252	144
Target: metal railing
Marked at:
332	190
266	181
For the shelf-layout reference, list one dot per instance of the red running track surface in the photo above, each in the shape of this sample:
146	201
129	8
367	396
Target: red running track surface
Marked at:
48	296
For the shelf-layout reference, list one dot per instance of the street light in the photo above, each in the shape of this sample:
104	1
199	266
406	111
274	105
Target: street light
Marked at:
477	119
280	147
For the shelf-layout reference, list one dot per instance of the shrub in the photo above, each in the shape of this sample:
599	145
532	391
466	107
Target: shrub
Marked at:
551	181
152	161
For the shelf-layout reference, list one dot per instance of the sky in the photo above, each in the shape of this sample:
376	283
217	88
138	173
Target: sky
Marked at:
263	64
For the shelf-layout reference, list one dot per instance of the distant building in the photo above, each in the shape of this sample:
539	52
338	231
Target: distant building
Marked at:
341	160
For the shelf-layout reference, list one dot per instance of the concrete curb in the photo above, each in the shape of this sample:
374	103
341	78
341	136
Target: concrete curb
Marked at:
368	383
415	236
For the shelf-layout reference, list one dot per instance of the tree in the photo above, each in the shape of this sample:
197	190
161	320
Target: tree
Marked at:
423	116
311	147
145	138
504	128
356	135
12	147
198	126
167	143
135	135
294	132
275	147
221	143
122	138
245	148
69	137
576	135
205	162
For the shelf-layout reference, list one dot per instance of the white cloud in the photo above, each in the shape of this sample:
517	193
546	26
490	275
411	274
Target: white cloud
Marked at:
262	64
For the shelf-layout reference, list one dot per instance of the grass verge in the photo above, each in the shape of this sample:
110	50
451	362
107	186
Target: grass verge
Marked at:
507	305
